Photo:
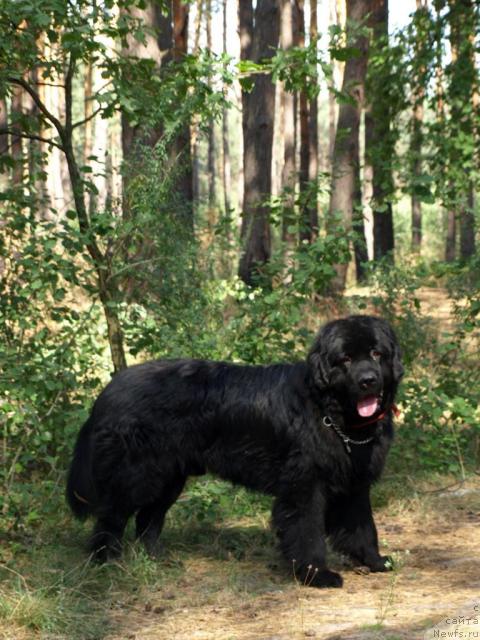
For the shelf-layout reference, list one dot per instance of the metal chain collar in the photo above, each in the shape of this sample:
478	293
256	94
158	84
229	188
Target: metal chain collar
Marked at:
328	422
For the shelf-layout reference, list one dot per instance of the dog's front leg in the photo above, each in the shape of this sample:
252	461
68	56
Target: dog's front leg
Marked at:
300	525
352	530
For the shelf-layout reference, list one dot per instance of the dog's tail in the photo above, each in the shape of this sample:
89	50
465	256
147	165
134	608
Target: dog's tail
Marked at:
80	489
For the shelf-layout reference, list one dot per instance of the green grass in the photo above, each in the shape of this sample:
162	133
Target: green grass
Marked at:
49	588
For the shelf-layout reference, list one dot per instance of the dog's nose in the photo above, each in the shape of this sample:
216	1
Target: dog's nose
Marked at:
367	380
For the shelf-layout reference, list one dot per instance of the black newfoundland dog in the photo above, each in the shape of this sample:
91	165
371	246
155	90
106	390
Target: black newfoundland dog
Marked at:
314	435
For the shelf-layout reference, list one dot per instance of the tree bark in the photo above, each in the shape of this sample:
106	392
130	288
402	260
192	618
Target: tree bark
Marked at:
16	146
462	89
306	231
416	150
313	130
211	155
417	139
378	146
227	175
346	148
258	139
360	242
195	132
331	96
450	242
4	145
182	150
288	128
158	47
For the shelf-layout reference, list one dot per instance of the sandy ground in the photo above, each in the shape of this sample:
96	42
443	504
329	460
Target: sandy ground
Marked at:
436	539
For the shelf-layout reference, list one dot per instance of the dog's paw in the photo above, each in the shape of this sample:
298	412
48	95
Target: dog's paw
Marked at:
382	563
323	579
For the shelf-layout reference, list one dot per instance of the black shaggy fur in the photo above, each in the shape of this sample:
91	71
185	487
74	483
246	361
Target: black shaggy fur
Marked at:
262	427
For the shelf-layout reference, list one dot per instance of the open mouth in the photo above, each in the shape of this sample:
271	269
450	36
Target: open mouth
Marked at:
367	406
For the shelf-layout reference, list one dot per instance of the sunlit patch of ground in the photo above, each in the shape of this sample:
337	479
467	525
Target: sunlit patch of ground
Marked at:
435	538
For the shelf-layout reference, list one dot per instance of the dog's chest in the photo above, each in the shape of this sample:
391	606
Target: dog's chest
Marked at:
360	466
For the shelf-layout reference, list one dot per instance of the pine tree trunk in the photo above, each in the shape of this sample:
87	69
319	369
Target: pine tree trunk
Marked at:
158	40
467	225
182	150
450	243
331	96
4	142
378	148
227	175
416	150
258	141
195	132
313	132
346	149
416	145
288	128
450	238
211	131
358	224
306	231
462	90
16	146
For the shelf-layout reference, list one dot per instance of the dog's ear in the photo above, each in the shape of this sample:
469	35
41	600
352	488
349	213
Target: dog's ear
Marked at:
397	366
318	364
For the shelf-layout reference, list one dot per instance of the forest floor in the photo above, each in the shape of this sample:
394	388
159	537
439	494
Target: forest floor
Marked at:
221	580
218	576
436	538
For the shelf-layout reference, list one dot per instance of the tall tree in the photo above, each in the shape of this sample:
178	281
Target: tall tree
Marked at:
308	148
304	131
165	41
441	127
4	142
16	147
156	46
227	177
288	124
258	136
463	83
182	146
313	124
379	146
211	153
346	148
417	123
337	17
195	132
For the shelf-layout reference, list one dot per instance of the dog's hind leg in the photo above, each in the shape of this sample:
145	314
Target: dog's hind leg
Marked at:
106	540
301	530
150	518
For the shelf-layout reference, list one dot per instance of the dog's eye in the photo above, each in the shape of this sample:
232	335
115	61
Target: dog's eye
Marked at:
376	355
346	360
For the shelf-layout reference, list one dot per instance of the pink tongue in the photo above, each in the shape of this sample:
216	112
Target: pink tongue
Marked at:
367	406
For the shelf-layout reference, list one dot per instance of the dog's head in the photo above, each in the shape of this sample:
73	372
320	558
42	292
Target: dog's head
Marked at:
357	360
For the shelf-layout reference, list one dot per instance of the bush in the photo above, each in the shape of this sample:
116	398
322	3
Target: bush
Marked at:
440	394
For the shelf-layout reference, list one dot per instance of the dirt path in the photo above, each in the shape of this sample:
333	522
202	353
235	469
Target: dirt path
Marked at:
435	537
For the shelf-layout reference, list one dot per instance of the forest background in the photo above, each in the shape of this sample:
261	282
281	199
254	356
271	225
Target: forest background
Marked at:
215	179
